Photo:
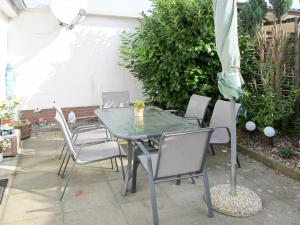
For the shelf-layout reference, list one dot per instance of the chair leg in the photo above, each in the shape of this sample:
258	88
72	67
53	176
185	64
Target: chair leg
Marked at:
62	151
207	192
64	171
62	163
112	165
134	173
178	180
193	180
122	167
67	183
116	164
212	150
238	161
153	200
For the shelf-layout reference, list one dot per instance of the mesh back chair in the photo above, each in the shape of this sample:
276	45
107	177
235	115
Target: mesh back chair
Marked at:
85	154
221	122
87	134
181	154
115	99
196	108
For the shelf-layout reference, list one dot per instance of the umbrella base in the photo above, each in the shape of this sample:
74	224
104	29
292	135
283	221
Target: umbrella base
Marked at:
245	203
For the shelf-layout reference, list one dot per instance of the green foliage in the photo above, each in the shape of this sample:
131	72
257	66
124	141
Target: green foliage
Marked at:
173	52
249	63
251	15
262	104
281	7
267	108
9	108
287	152
296	125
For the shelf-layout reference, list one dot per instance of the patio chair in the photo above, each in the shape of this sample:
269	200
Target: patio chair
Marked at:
115	99
88	153
196	109
82	134
221	122
195	112
181	154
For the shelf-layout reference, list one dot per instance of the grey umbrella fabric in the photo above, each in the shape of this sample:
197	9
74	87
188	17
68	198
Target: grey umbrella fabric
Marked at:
225	18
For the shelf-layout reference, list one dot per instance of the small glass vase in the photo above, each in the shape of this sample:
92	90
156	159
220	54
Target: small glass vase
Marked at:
139	111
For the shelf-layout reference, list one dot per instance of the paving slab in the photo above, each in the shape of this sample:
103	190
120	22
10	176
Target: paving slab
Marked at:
94	195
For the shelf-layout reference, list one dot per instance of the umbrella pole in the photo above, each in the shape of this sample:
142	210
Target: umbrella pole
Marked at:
233	149
231	199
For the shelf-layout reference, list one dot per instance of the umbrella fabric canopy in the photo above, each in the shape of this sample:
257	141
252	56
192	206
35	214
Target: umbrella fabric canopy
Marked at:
225	18
10	82
230	79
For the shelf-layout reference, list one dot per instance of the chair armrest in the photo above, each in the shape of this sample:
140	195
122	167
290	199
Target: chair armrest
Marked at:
171	110
199	120
227	129
82	145
83	118
148	157
85	128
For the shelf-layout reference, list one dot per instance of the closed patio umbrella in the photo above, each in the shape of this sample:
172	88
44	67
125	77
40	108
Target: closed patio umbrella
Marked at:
231	199
10	82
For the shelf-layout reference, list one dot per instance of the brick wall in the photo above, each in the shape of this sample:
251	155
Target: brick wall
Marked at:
48	114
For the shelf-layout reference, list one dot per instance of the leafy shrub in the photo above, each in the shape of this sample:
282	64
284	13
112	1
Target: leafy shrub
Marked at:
287	152
270	95
262	104
173	52
251	15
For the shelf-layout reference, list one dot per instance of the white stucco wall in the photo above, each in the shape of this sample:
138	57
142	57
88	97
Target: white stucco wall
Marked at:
3	52
69	67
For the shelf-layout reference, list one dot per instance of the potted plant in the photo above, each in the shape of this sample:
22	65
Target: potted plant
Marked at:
8	110
139	107
24	126
4	144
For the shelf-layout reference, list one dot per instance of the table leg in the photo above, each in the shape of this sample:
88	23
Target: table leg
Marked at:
128	172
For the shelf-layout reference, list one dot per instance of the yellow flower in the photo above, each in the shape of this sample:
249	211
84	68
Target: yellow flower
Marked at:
16	101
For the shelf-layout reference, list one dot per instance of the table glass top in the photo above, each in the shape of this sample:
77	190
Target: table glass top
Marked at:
122	122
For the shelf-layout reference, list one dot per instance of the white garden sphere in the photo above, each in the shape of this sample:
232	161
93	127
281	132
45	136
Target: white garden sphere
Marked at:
269	132
250	125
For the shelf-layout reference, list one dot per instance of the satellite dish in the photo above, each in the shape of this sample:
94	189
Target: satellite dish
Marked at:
66	10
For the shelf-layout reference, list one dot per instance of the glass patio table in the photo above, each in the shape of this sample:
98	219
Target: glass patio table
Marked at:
123	124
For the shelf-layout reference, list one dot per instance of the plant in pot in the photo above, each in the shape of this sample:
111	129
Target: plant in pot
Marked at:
24	126
8	111
4	144
139	107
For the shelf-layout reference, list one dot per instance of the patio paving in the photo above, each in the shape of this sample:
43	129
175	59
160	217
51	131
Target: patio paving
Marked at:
94	198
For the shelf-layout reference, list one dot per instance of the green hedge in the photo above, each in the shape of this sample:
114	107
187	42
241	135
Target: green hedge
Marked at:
173	53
